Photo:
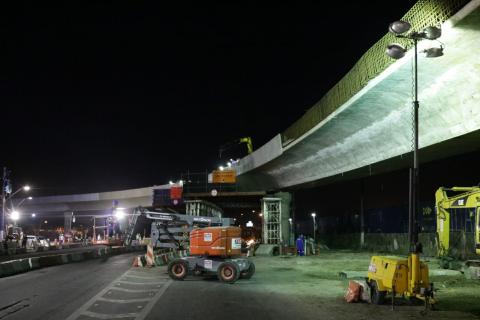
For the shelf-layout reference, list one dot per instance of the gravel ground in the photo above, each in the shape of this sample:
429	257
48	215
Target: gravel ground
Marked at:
314	281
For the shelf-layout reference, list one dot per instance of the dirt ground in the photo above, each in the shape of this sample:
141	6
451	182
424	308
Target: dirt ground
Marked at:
315	283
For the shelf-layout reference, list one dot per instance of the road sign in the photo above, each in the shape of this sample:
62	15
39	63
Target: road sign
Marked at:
224	176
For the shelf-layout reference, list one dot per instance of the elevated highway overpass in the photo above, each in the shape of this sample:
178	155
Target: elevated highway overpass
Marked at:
364	124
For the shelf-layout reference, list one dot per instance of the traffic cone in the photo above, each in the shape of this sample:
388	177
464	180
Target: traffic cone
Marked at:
135	262
149	256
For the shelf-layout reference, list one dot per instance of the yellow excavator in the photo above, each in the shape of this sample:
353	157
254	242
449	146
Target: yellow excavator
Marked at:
458	216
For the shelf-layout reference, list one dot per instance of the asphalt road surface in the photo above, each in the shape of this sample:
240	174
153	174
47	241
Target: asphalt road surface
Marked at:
112	289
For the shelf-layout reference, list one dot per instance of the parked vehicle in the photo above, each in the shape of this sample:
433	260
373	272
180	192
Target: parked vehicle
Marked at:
32	243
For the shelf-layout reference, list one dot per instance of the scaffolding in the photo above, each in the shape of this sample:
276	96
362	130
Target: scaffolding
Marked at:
272	218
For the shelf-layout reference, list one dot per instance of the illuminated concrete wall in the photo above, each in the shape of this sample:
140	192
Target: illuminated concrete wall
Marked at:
375	125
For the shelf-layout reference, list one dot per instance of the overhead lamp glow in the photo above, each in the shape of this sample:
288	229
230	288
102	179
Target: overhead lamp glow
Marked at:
399	27
229	164
395	51
30	198
314	214
119	213
221	168
170	182
34	215
15	215
26	188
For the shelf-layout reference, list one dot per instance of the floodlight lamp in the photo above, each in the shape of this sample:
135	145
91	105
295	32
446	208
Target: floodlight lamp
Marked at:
119	213
399	27
15	215
26	188
395	51
432	33
433	52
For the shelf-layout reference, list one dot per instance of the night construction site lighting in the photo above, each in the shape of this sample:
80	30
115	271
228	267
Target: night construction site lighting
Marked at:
399	28
15	215
397	51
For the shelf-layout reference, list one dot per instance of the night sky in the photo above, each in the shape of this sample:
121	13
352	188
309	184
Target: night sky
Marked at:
100	96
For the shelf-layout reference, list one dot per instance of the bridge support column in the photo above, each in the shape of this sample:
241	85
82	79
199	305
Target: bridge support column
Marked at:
276	211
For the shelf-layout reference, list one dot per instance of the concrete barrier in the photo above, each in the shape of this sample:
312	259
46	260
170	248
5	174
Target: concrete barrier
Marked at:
34	263
266	250
76	257
48	261
6	269
26	264
13	267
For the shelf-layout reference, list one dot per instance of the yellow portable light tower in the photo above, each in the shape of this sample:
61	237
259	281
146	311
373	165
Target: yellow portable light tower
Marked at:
406	276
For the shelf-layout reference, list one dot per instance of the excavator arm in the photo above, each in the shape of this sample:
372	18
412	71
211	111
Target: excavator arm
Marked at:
448	199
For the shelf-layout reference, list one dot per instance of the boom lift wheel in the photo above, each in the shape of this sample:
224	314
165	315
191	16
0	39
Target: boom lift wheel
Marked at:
377	296
228	272
178	269
247	274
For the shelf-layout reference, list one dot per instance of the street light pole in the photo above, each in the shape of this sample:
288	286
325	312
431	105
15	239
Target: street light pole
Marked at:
414	175
290	233
314	226
2	219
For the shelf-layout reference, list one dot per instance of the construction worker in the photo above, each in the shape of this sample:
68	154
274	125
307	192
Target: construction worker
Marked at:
300	246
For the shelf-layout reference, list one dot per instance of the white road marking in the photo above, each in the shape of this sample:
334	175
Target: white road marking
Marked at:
141	277
133	290
156	294
152	302
123	301
108	316
138	283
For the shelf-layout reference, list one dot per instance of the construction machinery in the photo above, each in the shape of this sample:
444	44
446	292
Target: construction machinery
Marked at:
171	229
214	250
458	214
403	276
406	277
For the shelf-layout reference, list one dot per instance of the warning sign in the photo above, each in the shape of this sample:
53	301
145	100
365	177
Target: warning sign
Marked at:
224	176
236	243
176	192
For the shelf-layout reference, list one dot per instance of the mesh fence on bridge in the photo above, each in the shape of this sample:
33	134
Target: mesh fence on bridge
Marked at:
424	13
